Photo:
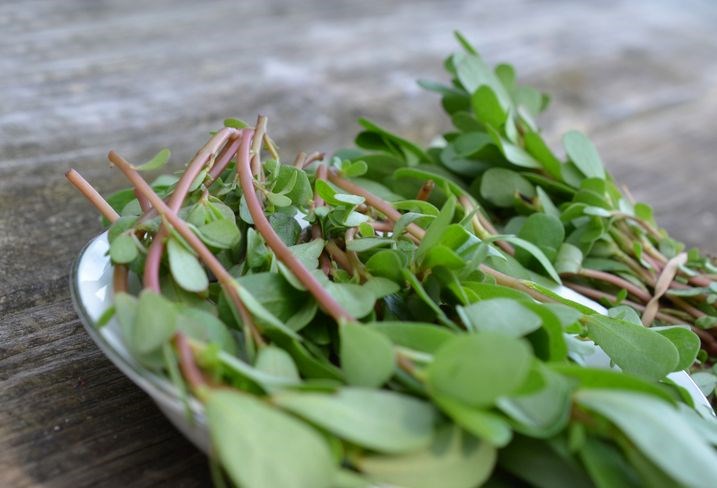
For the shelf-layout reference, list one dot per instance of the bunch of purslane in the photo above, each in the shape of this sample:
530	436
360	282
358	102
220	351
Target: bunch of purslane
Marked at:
339	332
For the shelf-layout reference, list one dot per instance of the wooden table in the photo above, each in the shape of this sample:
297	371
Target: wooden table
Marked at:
78	78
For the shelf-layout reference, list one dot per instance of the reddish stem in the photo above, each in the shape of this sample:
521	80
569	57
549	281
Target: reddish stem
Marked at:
228	152
339	256
92	195
616	281
186	362
374	201
314	156
143	202
282	252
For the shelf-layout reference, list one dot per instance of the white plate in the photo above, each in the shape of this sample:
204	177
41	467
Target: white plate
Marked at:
91	287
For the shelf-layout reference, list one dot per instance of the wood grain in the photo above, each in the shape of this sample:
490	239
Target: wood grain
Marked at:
78	78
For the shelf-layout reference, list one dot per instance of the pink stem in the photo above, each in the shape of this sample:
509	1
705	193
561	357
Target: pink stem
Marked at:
143	202
374	201
280	249
224	157
156	249
92	195
615	280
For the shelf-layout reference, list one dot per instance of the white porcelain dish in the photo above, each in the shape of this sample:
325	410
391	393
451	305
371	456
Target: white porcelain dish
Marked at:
91	283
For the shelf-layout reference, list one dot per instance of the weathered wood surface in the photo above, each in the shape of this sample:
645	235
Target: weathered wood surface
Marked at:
80	77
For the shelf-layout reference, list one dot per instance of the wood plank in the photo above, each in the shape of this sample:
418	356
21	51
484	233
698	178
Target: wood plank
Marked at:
79	78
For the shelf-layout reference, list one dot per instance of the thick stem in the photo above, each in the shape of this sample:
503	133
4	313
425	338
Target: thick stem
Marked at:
282	252
186	362
92	195
353	257
599	295
143	202
226	280
299	161
339	256
314	156
259	133
375	202
228	152
616	281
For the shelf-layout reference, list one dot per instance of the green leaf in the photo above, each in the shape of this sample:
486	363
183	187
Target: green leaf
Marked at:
615	380
437	227
261	447
418	336
514	154
275	294
535	252
464	43
203	326
123	249
380	420
286	227
607	466
501	186
301	192
278	199
367	357
483	424
354	169
186	269
543	464
478	368
541	414
686	342
356	300
387	264
658	431
634	348
154	323
487	107
583	153
235	123
275	361
536	147
263	315
440	255
381	287
569	259
368	243
543	230
500	315
157	161
389	142
308	253
222	234
473	72
454	460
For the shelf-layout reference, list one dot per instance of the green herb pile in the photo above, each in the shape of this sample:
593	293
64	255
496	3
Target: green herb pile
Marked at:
603	244
354	322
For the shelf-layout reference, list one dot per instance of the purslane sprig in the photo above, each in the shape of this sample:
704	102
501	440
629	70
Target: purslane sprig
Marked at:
603	244
342	332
